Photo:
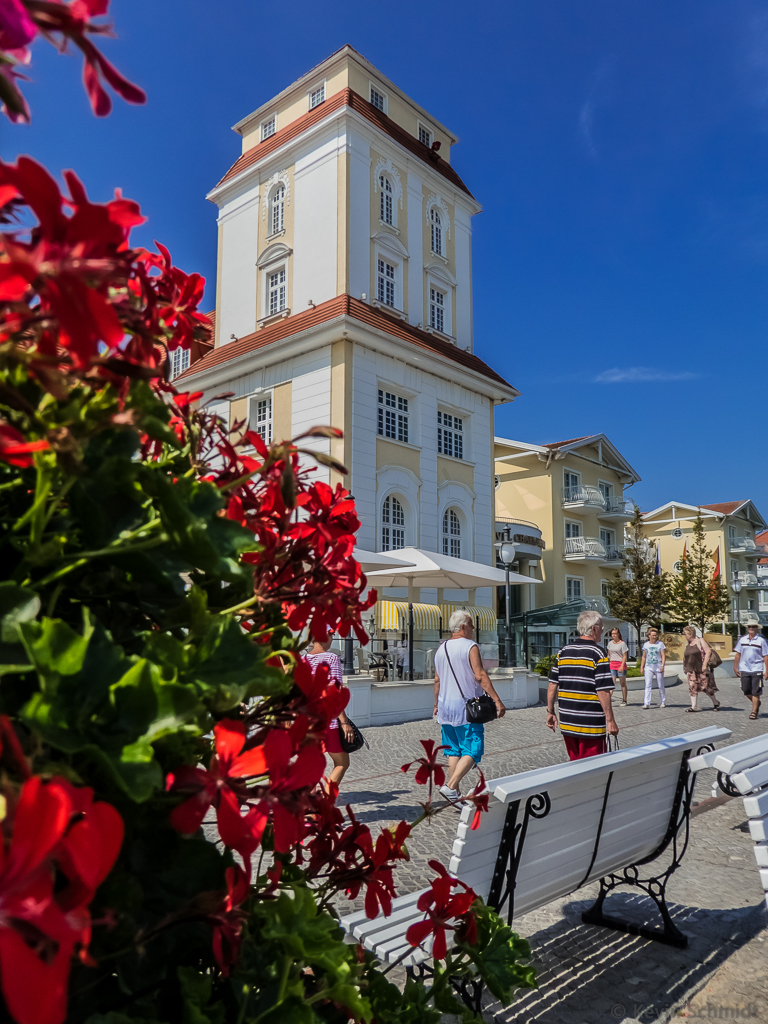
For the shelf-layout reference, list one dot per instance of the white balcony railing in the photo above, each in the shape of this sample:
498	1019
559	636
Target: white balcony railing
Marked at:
584	494
743	616
619	507
741	544
747	579
614	553
583	547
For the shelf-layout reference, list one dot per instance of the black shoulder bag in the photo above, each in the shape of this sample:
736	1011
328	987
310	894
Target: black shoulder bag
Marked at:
479	709
358	741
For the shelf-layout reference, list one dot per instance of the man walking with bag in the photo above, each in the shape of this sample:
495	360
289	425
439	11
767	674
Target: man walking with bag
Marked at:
459	677
581	682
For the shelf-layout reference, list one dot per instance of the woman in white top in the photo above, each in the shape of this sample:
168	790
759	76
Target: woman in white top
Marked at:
459	675
321	654
652	667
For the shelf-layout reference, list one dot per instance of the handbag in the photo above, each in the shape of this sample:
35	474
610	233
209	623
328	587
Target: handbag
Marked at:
357	742
480	709
613	743
714	658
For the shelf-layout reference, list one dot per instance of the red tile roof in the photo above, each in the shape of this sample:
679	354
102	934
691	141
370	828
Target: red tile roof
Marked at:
559	444
344	305
349	98
725	507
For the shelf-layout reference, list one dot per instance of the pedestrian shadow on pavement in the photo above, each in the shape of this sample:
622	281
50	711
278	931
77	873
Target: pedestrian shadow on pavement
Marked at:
379	804
588	973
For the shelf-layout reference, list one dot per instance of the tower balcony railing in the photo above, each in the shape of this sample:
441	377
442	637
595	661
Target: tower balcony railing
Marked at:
614	554
583	496
616	508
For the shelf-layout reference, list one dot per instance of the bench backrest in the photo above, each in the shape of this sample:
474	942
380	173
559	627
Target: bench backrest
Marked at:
605	813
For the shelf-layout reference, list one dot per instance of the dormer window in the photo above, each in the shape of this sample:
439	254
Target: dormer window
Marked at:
386	199
317	96
277	210
378	99
269	127
425	135
179	360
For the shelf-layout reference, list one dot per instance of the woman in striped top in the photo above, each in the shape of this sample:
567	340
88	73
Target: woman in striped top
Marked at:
320	654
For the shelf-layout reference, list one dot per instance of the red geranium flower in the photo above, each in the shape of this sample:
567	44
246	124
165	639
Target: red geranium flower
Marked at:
228	920
222	786
15	450
441	909
429	771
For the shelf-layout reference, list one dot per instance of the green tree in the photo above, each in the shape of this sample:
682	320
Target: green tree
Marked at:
694	593
637	595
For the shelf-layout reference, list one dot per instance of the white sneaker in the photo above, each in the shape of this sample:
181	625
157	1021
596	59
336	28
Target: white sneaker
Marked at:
662	705
449	794
623	704
646	706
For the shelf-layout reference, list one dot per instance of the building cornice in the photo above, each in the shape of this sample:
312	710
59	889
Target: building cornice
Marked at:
347	317
345	98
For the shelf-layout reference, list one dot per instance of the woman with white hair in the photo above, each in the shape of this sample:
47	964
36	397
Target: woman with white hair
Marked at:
459	675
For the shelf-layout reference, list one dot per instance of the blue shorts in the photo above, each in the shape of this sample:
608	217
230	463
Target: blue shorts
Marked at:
616	672
464	739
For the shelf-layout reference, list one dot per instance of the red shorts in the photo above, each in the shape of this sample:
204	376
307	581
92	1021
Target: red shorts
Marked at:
583	746
333	742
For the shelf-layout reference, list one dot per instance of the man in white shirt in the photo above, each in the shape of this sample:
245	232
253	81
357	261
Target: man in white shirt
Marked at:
750	663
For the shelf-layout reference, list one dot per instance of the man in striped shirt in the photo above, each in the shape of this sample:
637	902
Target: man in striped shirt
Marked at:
581	683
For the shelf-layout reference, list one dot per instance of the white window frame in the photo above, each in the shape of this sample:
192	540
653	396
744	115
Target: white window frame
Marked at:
572	524
570	472
180	361
603	587
269	273
393	532
425	129
374	88
393	415
449	436
396	281
277	206
316	95
611	533
451	539
438	307
387	200
268	128
437	231
260	419
609	491
574	579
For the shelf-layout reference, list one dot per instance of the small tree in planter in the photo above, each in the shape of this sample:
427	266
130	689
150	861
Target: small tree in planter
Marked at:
156	581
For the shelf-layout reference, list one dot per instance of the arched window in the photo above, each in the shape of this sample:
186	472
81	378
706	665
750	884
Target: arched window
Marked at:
392	524
277	210
387	206
451	534
437	231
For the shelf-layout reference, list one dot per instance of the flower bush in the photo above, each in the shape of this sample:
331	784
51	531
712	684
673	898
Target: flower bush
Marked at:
169	847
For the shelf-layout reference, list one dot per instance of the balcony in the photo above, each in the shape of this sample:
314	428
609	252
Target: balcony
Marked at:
616	509
742	616
584	496
750	581
584	549
745	546
614	555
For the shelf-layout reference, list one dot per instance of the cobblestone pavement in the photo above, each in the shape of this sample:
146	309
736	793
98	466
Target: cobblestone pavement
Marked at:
590	975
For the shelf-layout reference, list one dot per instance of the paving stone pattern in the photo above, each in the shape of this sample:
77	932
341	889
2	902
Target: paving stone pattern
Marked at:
590	975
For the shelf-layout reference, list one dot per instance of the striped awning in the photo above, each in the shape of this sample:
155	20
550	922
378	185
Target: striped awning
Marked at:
393	616
487	616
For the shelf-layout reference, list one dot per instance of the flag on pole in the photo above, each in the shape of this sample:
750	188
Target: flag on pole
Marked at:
715	576
715	556
685	550
657	567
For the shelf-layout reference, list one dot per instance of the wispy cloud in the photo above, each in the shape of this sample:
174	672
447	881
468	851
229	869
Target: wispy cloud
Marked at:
641	375
595	97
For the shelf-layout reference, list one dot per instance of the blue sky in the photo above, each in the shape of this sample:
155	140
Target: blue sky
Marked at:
619	148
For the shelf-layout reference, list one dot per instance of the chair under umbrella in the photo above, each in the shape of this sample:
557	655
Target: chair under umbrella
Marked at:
432	570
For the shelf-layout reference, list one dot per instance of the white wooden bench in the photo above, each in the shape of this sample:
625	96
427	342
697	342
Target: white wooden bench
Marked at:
742	770
550	831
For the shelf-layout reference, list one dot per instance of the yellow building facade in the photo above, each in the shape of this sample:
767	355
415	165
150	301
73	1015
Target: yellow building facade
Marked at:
730	528
574	492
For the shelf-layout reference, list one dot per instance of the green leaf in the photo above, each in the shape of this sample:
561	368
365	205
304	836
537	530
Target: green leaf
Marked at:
17	605
54	648
497	953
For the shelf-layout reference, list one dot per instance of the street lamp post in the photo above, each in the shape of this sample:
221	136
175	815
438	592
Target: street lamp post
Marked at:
507	553
736	588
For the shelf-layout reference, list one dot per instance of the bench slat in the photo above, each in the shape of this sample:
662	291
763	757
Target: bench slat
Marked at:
756	805
758	829
761	854
404	909
751	778
739	756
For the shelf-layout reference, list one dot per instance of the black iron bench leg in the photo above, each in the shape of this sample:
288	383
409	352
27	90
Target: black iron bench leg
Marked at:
469	990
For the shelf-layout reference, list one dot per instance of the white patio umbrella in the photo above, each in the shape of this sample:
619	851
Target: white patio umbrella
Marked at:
430	569
373	560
